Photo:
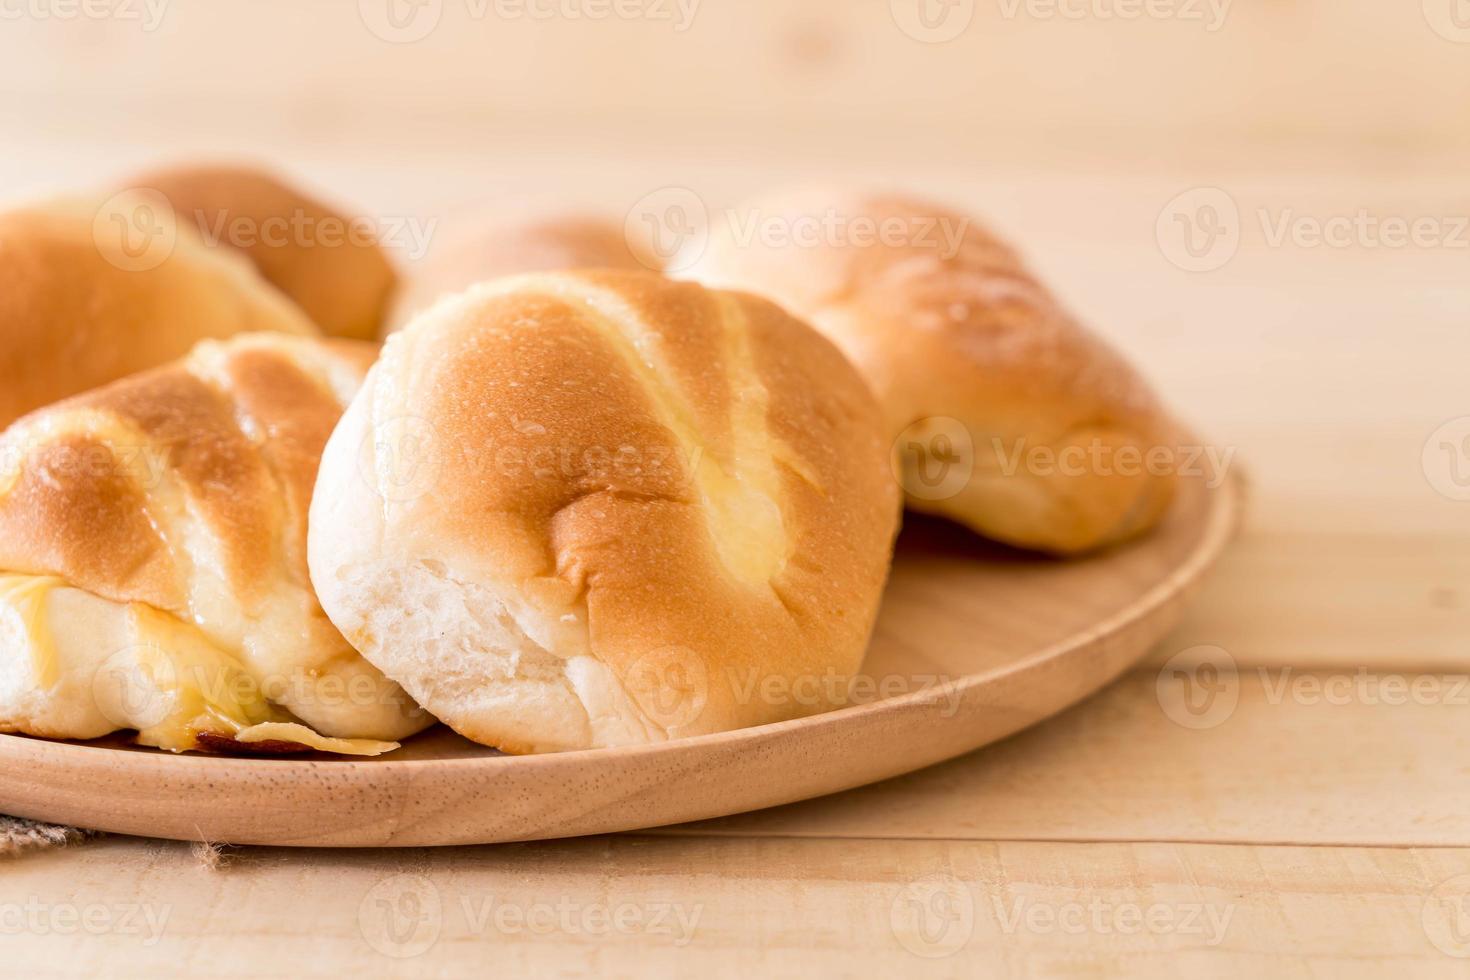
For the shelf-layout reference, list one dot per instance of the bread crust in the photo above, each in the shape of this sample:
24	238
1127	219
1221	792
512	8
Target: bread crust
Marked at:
646	500
77	312
183	493
307	249
1068	448
503	245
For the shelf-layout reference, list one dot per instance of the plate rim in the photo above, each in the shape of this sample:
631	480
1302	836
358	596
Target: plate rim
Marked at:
1223	518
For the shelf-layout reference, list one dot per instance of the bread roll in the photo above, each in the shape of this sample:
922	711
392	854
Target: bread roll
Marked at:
511	245
590	509
153	559
328	262
84	301
1006	414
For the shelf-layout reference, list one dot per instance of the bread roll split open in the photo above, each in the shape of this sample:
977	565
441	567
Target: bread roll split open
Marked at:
153	569
1006	415
573	511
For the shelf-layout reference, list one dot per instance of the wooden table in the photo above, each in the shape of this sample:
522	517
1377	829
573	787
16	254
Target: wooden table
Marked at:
1317	828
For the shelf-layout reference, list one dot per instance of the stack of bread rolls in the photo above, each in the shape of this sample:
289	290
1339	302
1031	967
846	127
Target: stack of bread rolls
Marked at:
570	503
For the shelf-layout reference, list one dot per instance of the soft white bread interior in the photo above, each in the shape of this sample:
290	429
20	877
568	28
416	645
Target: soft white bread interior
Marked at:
329	262
153	567
1006	414
492	247
591	509
90	294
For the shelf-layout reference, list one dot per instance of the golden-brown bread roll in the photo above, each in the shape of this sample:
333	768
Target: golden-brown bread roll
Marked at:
153	559
329	263
1007	415
84	302
510	245
602	508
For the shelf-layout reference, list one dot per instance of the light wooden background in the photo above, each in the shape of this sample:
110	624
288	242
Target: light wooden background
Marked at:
1333	832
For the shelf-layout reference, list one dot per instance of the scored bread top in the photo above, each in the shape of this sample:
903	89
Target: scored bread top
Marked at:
186	489
626	485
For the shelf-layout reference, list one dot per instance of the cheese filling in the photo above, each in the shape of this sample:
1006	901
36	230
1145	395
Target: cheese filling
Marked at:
131	666
26	596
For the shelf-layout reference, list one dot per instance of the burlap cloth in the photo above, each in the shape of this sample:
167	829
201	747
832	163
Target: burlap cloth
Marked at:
18	836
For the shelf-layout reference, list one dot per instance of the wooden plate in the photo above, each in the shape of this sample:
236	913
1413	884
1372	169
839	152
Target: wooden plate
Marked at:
973	644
